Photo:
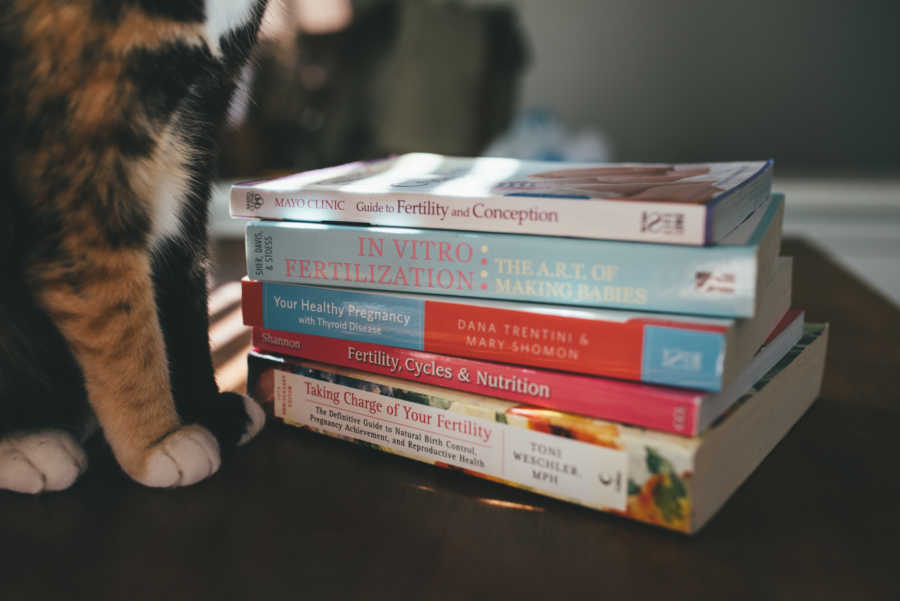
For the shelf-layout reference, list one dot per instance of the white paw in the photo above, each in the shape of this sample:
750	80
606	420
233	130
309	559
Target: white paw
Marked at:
184	457
40	461
257	420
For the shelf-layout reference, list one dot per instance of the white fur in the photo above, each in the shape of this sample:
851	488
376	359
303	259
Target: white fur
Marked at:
40	461
223	16
168	204
170	181
184	457
257	420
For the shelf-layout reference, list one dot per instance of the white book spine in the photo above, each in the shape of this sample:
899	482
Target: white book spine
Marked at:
671	223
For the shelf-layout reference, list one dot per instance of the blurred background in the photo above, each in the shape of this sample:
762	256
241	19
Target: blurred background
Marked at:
813	84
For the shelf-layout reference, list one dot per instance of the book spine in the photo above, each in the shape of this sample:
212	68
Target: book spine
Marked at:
664	409
644	221
575	459
648	350
715	280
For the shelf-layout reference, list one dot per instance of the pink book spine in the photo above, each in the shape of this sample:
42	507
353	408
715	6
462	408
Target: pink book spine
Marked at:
655	407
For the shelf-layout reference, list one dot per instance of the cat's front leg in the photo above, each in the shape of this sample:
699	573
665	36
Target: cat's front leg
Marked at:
182	305
103	304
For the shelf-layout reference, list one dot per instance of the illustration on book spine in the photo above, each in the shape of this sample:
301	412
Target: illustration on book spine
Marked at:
612	467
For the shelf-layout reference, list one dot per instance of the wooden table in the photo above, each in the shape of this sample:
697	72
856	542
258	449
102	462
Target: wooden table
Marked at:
301	516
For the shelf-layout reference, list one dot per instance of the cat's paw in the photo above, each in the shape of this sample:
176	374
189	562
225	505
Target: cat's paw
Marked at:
256	419
40	461
184	457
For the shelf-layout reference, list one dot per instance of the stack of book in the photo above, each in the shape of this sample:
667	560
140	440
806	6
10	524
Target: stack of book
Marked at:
618	336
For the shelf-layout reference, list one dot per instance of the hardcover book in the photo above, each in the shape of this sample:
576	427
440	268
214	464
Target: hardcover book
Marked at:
671	481
677	350
690	204
722	280
666	409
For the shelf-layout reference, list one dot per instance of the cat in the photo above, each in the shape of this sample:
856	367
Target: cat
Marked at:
108	114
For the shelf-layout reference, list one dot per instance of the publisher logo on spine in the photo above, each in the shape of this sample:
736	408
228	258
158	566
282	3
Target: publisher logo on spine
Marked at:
712	281
254	201
676	358
657	222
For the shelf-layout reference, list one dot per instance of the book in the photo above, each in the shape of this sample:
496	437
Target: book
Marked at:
722	280
663	479
677	350
691	204
666	409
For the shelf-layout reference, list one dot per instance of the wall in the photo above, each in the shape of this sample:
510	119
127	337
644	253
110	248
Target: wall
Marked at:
814	84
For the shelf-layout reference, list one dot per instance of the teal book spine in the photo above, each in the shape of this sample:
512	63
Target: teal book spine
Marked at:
720	280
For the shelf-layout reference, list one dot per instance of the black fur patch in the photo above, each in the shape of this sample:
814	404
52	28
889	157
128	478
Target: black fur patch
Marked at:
132	141
163	76
50	117
237	44
185	11
40	383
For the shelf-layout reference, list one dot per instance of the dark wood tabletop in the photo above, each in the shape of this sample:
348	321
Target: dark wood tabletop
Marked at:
296	515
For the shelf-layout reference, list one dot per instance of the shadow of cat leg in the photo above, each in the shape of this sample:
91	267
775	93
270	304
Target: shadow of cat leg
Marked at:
40	461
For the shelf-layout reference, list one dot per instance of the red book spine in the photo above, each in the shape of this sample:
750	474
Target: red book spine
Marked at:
659	408
251	302
548	341
613	346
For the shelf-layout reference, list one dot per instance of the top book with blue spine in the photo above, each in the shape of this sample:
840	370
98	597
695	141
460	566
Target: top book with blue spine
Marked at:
690	204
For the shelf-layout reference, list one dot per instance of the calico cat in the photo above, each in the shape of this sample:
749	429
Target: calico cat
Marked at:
108	113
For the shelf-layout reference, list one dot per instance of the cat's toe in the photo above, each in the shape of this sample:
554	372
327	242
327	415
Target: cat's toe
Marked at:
17	474
182	458
40	461
256	420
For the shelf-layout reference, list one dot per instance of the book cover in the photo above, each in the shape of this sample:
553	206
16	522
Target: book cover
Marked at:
722	280
671	481
677	350
666	409
691	204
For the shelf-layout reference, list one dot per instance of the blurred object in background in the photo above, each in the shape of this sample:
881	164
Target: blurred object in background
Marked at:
811	83
314	17
540	135
338	81
814	84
